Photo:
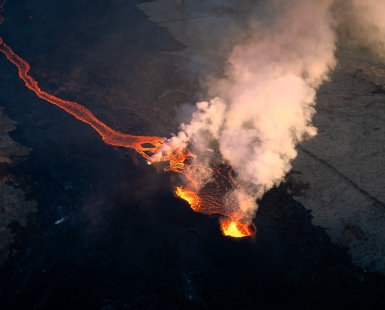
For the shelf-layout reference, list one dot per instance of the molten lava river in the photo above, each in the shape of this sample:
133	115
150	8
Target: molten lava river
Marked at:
207	193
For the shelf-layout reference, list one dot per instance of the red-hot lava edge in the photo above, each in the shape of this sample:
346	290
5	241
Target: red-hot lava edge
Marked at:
108	135
1	10
207	200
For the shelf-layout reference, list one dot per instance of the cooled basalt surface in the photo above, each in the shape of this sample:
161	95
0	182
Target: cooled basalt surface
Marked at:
15	209
339	175
108	232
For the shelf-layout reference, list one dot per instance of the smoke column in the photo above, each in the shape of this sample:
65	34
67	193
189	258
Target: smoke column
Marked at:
363	22
258	112
207	201
265	103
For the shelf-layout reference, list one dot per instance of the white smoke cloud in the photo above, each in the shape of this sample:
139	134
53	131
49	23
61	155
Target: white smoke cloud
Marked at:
265	103
205	126
206	123
362	22
270	88
371	22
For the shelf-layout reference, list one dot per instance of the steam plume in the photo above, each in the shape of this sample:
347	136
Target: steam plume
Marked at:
264	105
363	22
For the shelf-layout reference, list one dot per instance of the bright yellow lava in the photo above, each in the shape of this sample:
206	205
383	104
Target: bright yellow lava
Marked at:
191	197
232	231
236	229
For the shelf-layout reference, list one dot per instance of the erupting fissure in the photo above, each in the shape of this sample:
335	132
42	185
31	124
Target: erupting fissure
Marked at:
208	185
261	107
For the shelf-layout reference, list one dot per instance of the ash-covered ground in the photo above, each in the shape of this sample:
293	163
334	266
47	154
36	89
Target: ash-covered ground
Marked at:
88	226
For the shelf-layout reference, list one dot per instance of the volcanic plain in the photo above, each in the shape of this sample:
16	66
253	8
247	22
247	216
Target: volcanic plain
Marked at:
84	225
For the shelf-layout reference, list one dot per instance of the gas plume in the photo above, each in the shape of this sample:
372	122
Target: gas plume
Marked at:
203	198
265	103
240	143
363	23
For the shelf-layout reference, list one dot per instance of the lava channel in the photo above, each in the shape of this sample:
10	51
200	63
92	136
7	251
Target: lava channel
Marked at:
209	185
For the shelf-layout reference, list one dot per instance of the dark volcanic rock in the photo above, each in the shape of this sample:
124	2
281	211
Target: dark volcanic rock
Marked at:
108	233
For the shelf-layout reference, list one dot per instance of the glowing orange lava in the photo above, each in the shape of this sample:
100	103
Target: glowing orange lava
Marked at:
211	184
1	10
236	229
108	135
191	197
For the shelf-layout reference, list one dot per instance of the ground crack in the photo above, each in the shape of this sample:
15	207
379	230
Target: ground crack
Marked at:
354	185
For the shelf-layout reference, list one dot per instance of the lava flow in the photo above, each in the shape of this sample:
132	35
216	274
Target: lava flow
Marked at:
209	186
108	135
1	10
236	229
